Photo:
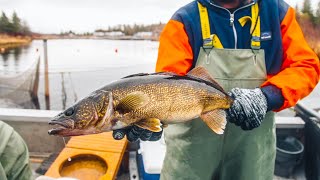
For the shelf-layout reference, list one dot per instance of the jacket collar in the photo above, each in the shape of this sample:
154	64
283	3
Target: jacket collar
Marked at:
209	3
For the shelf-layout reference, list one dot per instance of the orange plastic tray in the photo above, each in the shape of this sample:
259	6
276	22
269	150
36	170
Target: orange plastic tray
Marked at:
101	145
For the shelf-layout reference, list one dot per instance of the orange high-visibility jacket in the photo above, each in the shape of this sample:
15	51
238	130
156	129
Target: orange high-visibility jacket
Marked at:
292	67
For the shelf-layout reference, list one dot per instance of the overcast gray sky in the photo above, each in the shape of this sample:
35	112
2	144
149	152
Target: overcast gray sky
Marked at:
54	16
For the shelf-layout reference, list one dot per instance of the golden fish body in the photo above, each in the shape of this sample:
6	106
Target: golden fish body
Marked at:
148	101
172	101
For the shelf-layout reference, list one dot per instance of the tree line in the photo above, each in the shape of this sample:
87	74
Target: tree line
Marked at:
309	20
13	25
130	30
307	10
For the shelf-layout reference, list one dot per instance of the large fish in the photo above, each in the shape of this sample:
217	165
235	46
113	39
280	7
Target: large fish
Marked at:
150	101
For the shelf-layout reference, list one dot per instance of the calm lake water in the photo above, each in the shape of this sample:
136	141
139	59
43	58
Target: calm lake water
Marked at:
78	67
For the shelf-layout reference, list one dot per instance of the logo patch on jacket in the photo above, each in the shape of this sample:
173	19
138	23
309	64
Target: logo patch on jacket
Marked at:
266	36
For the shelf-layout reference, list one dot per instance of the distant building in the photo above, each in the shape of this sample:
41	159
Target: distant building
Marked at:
114	33
143	35
101	33
71	34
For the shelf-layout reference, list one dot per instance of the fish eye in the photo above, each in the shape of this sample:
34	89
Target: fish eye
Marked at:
69	111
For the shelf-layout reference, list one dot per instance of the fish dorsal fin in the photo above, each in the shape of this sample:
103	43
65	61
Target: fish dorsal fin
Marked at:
133	101
202	73
216	120
166	73
151	124
135	75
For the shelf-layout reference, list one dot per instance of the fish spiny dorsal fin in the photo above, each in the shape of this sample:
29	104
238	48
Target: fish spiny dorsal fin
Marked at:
216	120
166	73
136	75
202	73
133	101
151	124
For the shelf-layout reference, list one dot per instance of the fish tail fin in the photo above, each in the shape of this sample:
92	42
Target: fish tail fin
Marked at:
216	120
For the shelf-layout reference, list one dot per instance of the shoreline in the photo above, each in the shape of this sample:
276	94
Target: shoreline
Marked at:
42	37
8	42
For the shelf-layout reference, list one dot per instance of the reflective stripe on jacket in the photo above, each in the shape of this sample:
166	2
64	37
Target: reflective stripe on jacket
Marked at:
292	67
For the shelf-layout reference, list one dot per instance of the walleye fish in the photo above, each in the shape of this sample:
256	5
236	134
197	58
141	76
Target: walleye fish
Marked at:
150	101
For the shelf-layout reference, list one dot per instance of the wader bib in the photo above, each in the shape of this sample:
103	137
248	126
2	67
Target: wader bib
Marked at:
194	151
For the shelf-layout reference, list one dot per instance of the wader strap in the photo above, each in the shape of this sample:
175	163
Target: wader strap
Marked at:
209	40
255	25
214	41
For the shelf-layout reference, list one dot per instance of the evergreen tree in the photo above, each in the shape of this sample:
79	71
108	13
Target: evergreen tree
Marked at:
306	7
308	10
4	23
16	23
13	26
317	16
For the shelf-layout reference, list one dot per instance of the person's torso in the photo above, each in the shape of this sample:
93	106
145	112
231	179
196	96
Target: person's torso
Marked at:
225	24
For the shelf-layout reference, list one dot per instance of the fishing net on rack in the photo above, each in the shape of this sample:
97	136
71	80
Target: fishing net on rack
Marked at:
19	90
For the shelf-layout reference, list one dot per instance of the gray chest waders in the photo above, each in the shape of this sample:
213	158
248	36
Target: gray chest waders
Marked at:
194	151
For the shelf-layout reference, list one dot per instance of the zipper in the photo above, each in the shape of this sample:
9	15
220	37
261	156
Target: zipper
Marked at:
232	19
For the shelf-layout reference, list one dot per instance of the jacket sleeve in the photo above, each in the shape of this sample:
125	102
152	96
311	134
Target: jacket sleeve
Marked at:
175	53
299	72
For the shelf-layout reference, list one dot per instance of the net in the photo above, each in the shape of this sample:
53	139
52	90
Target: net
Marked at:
20	89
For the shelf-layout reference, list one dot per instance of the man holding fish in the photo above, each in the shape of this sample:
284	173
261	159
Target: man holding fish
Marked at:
252	49
256	51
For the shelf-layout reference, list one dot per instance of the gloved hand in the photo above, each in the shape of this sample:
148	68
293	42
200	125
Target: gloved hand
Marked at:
134	133
248	109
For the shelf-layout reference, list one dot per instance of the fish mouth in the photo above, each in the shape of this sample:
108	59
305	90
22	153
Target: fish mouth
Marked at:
63	127
57	131
64	132
63	124
66	128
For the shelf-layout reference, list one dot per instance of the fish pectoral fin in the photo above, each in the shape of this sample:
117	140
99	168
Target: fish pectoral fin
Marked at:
216	120
133	101
151	124
202	73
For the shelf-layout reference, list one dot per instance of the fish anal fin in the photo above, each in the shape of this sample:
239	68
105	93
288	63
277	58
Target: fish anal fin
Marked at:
202	73
216	120
133	101
151	124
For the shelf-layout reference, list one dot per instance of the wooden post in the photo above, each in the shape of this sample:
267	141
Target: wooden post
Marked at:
46	75
34	93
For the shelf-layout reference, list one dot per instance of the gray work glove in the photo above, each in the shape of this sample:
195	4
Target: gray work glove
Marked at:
134	133
248	109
